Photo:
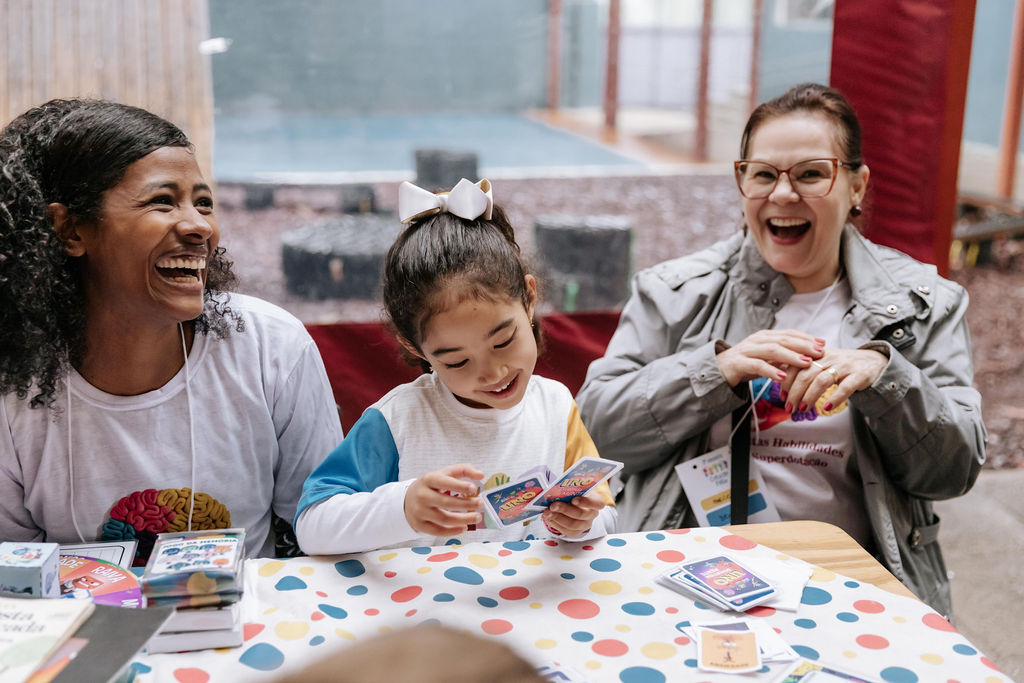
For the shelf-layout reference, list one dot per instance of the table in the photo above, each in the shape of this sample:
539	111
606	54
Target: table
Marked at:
594	607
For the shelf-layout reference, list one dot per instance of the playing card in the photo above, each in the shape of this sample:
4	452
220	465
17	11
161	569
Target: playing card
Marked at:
577	480
510	503
729	580
728	651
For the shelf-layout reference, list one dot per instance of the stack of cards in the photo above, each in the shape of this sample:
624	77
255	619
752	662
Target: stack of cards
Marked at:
770	645
720	581
529	496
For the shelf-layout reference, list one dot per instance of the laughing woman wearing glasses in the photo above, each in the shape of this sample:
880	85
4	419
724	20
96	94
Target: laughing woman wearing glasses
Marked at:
856	357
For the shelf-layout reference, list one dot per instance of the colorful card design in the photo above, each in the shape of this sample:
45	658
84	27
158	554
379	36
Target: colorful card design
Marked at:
510	503
104	582
577	480
729	651
726	578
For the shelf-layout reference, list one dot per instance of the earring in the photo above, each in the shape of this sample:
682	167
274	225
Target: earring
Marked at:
855	211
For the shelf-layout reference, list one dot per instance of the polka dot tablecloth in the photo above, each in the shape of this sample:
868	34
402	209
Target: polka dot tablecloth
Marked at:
594	607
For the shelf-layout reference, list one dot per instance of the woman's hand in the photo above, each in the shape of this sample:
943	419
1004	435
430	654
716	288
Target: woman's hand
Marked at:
848	370
443	503
769	353
575	517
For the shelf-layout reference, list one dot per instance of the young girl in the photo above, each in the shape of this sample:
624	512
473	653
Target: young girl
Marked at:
461	302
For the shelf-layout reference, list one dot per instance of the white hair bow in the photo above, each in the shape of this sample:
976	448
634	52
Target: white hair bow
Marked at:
466	200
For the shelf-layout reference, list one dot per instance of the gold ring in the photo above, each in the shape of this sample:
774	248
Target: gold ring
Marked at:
835	375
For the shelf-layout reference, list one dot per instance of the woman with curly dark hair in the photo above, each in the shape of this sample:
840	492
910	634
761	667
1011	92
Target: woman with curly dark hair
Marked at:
136	395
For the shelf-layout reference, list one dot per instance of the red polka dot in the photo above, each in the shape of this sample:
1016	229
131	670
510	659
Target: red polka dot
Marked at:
442	557
936	622
406	594
588	547
496	627
777	630
372	612
316	616
390	575
761	611
578	608
677	531
869	606
410	613
872	642
191	676
989	663
672	556
952	680
251	630
505	552
321	594
671	610
682	640
610	648
514	593
736	543
550	542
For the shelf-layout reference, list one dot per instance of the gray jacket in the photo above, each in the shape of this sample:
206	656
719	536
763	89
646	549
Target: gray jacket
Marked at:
918	434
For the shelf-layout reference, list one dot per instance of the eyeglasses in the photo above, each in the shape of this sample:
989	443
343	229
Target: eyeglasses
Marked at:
809	179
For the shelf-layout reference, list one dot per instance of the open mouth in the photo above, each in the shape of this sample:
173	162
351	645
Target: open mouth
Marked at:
506	390
183	269
788	229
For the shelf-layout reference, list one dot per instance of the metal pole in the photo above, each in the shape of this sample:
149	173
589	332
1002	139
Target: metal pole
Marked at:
1009	139
701	142
554	53
755	55
611	74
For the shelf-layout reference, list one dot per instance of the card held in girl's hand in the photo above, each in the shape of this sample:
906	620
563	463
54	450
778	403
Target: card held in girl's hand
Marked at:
510	503
577	480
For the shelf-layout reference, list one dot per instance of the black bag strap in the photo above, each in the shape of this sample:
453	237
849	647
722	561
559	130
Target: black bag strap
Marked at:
739	469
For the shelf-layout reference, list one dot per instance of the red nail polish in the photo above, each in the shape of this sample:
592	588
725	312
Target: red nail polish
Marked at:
780	374
828	406
819	340
789	408
806	359
803	406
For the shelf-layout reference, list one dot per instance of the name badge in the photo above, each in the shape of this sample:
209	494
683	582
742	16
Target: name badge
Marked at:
706	481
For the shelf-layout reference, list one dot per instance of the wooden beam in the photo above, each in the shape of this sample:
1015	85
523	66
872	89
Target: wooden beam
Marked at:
1009	139
554	53
611	72
700	145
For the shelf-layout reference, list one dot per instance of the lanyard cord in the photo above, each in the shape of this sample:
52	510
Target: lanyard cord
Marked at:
191	439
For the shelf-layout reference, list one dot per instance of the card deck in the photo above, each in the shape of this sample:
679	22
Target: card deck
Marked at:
577	480
719	581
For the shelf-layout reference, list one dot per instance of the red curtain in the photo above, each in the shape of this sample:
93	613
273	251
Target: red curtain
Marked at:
363	362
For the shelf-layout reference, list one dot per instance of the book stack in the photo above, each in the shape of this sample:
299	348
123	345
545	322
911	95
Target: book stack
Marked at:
32	629
199	573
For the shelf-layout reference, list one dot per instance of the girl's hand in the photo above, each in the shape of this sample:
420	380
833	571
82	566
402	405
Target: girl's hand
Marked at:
441	504
849	370
575	517
769	353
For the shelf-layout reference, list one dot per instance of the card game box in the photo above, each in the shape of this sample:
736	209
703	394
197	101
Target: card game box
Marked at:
191	564
29	569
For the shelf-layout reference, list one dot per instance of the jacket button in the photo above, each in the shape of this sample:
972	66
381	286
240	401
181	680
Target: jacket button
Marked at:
924	289
763	286
891	386
898	333
775	301
892	309
915	538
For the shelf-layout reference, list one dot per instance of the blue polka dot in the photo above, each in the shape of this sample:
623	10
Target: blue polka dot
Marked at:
453	541
605	565
815	596
582	636
851	584
350	568
262	657
567	575
487	602
444	597
638	608
508	572
463	575
332	611
692	663
317	640
806	652
682	624
516	545
641	674
764	669
421	550
848	617
357	590
140	668
655	537
963	649
290	583
897	674
805	623
700	605
617	542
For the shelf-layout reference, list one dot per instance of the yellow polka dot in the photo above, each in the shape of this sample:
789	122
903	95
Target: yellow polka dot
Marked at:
271	610
345	634
545	643
387	556
566	557
995	679
384	629
605	587
423	570
823	575
658	650
700	539
536	605
623	628
645	590
483	561
593	665
306	571
849	655
291	630
271	568
932	659
647	565
533	561
900	620
223	650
